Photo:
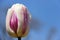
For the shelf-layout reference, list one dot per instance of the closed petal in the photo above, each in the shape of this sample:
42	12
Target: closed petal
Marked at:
14	22
9	30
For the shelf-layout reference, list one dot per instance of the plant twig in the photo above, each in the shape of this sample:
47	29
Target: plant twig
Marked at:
19	38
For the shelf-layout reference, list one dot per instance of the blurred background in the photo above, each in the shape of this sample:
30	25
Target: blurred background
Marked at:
45	23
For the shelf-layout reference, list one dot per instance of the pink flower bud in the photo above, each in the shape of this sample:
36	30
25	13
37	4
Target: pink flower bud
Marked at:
17	20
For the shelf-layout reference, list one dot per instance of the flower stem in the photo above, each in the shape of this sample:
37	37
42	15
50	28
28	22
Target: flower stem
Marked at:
19	38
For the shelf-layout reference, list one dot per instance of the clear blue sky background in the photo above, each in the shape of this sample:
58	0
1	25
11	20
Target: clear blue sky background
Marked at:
45	17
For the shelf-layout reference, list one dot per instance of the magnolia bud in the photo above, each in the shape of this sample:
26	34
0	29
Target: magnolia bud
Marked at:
17	20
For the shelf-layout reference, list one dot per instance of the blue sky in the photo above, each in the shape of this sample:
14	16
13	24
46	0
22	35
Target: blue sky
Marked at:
45	16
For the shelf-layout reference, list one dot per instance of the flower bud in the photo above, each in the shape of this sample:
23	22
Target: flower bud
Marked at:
17	20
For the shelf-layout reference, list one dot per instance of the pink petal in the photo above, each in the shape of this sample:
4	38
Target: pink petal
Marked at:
14	22
25	22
